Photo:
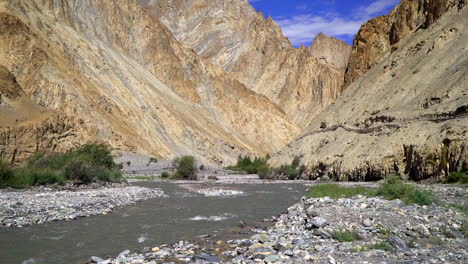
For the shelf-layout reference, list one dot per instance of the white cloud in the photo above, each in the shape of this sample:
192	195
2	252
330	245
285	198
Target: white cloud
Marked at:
377	7
302	29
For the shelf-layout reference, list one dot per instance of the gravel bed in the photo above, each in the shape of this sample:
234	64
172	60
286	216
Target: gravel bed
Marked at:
21	208
381	231
211	191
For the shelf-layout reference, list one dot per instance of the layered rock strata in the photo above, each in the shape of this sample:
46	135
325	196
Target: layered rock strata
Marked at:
118	74
407	115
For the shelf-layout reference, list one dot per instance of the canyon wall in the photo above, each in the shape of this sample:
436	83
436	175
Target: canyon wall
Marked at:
118	74
253	50
407	115
381	35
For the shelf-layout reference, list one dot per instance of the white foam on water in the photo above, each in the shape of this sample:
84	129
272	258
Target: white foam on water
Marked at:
29	261
142	238
214	218
219	192
56	238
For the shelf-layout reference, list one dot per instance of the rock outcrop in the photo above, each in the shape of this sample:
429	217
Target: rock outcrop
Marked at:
330	51
379	36
253	50
407	115
115	73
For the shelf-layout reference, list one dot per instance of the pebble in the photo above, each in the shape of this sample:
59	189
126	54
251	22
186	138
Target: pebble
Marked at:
379	224
41	205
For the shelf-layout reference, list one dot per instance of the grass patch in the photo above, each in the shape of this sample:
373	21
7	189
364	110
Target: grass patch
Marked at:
464	229
391	189
165	175
145	178
385	232
87	163
335	191
382	246
457	177
345	236
462	208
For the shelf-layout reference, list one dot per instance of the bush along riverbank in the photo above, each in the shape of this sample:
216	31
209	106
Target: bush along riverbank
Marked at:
82	182
85	164
340	224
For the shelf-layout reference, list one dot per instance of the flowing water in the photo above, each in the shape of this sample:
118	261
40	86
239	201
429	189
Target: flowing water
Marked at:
182	215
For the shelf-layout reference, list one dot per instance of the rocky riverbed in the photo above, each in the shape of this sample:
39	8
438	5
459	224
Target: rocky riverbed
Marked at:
324	230
20	208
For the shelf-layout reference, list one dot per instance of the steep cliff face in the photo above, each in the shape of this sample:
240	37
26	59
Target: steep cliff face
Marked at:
27	127
408	114
378	37
112	68
330	51
253	50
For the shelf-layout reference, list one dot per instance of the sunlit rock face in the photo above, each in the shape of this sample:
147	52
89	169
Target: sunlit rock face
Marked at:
406	115
330	51
111	71
379	36
253	50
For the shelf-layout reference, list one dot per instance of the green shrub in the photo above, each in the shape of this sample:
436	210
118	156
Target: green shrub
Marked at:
393	189
335	191
345	236
153	160
292	171
457	177
382	246
186	167
165	175
45	177
6	174
77	170
87	163
257	166
264	171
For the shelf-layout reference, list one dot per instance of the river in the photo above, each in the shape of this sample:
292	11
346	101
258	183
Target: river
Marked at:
182	215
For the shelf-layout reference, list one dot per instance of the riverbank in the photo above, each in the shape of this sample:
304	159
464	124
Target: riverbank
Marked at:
40	205
346	230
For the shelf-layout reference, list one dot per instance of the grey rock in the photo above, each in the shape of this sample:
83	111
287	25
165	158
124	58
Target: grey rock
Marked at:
397	243
319	222
311	212
95	259
422	230
207	257
272	258
367	222
124	253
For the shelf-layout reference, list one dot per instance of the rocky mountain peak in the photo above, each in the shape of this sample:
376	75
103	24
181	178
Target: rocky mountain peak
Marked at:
382	35
330	51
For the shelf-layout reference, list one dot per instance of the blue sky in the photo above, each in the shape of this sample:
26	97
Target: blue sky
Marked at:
301	20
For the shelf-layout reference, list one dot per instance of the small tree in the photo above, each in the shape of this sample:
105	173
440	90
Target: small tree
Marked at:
186	167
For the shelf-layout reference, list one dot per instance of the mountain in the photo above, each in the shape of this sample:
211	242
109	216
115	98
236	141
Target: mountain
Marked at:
407	114
253	50
330	51
110	71
379	36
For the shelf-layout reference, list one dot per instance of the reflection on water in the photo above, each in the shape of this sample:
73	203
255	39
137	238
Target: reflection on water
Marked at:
183	215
